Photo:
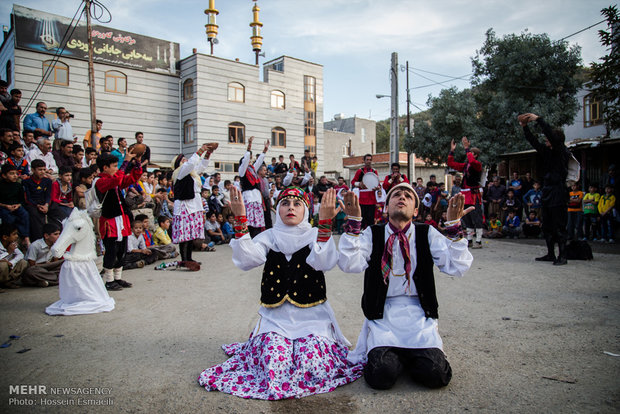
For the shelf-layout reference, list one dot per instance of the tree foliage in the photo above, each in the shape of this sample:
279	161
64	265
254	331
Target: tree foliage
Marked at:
512	75
606	74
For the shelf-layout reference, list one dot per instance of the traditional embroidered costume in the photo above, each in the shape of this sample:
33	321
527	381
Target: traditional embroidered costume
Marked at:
250	187
399	300
296	348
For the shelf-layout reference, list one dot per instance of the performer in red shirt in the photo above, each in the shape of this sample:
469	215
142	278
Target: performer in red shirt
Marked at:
472	174
367	198
392	180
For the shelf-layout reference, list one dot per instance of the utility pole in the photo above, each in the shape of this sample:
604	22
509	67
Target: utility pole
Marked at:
408	130
394	130
91	70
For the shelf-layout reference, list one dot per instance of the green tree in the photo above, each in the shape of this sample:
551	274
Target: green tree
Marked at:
605	75
522	73
451	115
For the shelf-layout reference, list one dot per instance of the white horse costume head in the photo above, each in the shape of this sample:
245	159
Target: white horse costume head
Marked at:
78	231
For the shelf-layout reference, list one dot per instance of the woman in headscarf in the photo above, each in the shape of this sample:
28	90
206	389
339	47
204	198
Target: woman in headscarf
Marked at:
188	214
250	185
296	348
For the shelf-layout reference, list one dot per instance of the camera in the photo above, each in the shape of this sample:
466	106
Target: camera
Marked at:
71	116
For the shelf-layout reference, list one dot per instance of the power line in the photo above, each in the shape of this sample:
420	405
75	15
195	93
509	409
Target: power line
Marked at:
55	59
583	30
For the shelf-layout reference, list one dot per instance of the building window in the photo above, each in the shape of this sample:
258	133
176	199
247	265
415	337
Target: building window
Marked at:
344	150
236	133
279	66
363	134
9	72
115	82
278	137
591	111
58	73
236	92
309	89
188	89
309	124
227	167
188	132
277	99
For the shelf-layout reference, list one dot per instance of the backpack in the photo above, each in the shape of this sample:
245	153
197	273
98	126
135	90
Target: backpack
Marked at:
578	250
574	170
93	204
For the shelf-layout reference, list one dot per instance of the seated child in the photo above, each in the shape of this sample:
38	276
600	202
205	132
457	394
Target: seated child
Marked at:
532	225
62	196
12	263
226	227
213	230
137	254
511	226
429	220
37	195
44	268
18	160
12	203
495	228
163	251
442	222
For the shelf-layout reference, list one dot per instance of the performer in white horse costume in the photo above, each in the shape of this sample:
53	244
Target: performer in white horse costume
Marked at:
81	289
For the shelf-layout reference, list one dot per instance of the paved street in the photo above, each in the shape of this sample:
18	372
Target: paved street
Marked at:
521	336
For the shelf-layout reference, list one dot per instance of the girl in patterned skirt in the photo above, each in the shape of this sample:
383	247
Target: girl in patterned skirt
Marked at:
250	185
188	215
296	348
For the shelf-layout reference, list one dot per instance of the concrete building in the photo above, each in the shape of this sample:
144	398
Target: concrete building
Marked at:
136	90
347	137
141	84
225	101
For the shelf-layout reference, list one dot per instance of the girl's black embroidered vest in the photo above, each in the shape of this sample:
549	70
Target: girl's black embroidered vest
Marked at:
294	280
375	290
184	188
250	180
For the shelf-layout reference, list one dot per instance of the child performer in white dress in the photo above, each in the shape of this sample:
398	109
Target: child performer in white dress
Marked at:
297	348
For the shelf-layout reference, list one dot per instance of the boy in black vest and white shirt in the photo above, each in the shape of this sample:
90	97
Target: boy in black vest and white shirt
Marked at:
399	300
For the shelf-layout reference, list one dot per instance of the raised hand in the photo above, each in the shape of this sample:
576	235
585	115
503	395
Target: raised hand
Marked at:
236	202
455	207
328	208
266	146
352	205
250	142
452	145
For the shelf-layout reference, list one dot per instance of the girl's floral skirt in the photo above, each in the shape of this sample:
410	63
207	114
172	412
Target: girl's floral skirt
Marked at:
272	367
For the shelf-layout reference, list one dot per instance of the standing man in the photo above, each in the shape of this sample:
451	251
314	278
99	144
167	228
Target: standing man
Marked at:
37	122
395	178
368	201
400	331
91	139
62	127
472	174
552	158
281	167
121	151
146	158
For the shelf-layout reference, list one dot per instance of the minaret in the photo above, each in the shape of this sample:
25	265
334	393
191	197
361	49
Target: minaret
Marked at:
257	39
211	27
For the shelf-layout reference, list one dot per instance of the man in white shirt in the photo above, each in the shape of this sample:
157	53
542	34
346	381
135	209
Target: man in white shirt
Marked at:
62	127
399	301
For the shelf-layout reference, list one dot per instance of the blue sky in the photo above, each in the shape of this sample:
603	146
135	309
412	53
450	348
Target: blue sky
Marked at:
354	39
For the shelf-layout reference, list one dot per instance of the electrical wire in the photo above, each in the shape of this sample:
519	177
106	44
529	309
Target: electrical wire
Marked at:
55	58
583	30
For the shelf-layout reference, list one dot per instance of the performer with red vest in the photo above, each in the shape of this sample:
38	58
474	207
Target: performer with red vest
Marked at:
471	189
400	332
368	201
395	178
250	187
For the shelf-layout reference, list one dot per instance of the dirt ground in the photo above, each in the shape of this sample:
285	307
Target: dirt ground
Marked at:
521	336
